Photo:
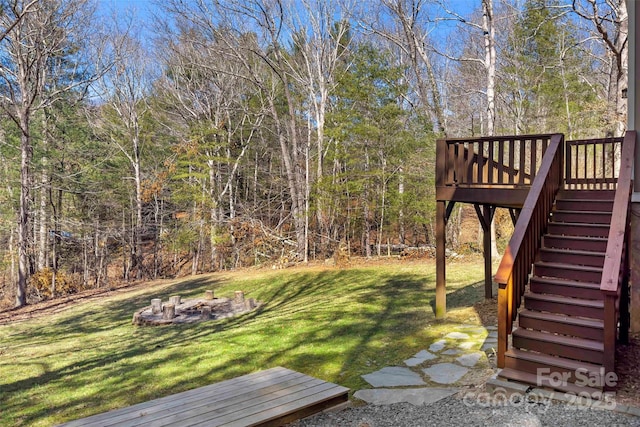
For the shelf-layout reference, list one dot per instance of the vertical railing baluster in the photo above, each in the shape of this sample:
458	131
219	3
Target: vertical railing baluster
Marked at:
512	165
523	159
501	146
481	161
490	165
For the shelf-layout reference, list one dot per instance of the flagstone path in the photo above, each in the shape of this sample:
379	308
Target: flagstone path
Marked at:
457	360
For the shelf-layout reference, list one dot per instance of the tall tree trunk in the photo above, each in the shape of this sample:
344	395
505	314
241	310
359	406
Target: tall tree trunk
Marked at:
366	212
25	200
137	250
488	27
622	76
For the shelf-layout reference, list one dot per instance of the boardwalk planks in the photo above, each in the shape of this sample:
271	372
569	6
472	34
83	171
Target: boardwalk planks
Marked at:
271	397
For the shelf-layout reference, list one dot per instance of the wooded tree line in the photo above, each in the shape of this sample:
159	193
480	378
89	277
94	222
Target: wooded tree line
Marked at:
220	134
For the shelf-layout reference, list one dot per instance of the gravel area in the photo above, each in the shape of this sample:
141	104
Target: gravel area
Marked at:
461	411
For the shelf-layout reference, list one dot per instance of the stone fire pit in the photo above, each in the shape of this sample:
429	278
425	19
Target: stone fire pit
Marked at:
193	310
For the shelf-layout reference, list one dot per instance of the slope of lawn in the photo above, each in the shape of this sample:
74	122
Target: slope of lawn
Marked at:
334	324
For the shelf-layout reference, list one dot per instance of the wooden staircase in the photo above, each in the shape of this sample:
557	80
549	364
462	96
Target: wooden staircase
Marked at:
563	282
559	340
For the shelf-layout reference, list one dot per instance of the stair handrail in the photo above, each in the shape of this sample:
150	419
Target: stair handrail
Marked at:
615	270
515	267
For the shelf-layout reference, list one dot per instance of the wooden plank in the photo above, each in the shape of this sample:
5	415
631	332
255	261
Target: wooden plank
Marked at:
278	392
211	390
233	408
500	197
442	155
258	414
241	396
296	405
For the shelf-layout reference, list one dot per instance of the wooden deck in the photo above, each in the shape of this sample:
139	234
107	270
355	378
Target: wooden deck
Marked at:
267	398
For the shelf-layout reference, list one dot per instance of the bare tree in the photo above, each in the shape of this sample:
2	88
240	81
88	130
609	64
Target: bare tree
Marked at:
408	31
609	20
125	89
35	37
252	35
13	12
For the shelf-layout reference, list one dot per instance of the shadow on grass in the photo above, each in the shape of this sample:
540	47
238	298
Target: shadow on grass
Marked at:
335	325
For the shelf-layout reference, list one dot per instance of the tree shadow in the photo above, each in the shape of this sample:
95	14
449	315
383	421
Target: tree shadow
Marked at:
325	324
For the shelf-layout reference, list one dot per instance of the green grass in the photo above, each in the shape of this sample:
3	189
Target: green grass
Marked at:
326	322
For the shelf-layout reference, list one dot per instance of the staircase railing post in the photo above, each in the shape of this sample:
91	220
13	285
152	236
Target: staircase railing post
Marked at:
610	320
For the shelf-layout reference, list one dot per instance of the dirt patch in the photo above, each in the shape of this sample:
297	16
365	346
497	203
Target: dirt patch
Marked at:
628	370
487	311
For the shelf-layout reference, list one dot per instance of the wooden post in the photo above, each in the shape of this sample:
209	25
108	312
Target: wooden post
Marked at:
175	300
208	295
487	212
239	298
485	216
441	293
156	306
503	324
610	329
206	312
168	312
634	252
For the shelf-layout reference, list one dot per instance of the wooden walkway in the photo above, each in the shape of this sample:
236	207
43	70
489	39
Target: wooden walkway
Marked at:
267	398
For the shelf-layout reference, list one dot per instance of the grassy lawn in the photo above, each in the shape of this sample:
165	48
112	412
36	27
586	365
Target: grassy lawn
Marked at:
334	324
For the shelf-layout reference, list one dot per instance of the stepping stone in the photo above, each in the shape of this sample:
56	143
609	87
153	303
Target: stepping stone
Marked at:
393	376
467	345
414	396
457	336
451	352
489	346
437	346
491	328
493	334
445	373
470	359
419	358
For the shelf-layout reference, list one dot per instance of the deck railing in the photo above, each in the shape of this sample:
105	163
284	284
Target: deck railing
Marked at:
508	161
514	270
615	273
592	163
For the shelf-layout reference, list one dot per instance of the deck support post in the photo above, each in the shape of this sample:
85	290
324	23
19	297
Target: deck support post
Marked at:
634	249
441	294
485	216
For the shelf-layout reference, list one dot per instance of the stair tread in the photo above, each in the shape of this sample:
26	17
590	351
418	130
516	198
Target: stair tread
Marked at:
573	251
548	359
534	380
566	300
563	282
563	340
555	317
588	199
578	194
580	224
588	238
582	211
568	266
